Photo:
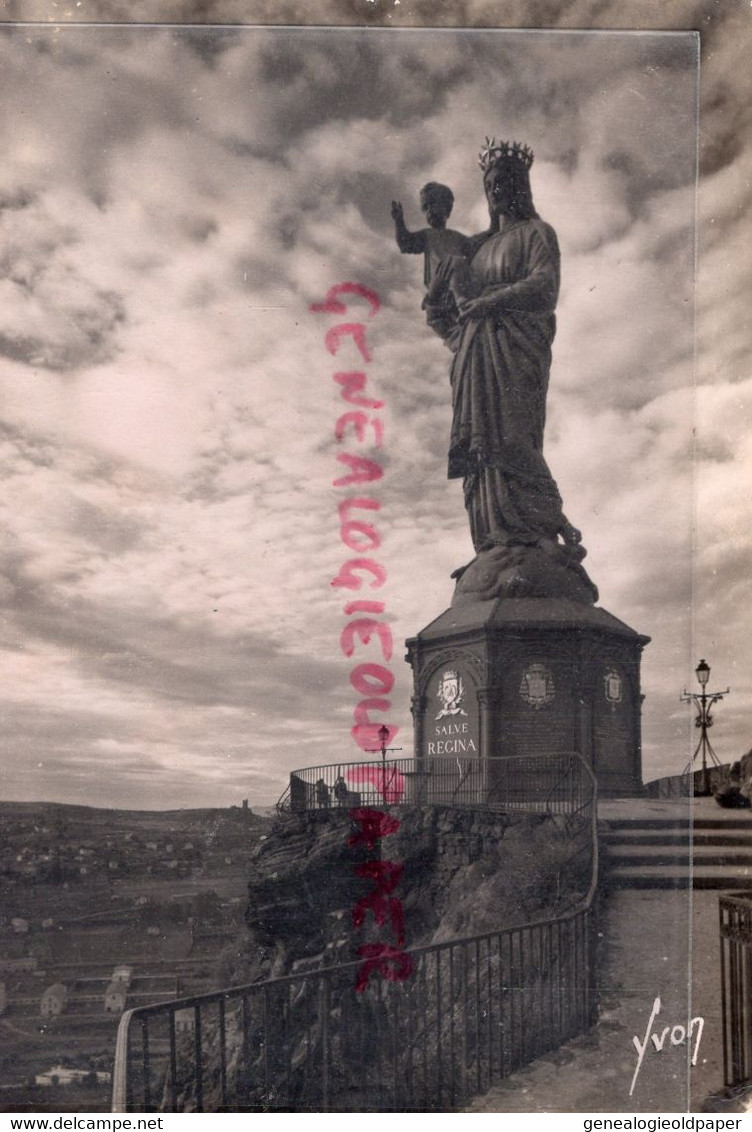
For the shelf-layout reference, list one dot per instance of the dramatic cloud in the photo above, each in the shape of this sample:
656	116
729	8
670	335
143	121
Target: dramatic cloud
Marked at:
171	202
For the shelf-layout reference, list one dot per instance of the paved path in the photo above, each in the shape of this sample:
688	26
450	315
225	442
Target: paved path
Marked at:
648	952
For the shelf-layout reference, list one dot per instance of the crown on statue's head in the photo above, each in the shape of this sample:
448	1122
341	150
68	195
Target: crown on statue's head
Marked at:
494	151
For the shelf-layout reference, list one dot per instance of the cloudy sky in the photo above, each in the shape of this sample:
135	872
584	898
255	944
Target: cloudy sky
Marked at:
171	202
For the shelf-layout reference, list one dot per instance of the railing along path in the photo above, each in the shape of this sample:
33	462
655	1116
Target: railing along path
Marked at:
736	987
473	1010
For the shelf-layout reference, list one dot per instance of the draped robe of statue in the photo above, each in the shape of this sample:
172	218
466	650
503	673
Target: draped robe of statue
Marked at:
499	382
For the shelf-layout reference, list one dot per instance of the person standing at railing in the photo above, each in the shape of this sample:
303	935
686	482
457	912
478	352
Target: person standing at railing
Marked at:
322	794
340	791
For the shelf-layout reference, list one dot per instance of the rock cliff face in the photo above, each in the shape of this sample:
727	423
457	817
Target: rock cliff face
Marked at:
462	1009
465	872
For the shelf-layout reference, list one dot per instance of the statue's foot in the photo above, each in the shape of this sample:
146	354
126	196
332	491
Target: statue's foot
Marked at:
567	553
457	574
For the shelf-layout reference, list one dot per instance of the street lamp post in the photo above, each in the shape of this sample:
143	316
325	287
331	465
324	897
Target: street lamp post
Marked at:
383	734
703	701
383	740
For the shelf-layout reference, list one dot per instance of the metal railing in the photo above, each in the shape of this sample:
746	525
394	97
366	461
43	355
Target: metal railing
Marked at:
736	982
472	1011
550	783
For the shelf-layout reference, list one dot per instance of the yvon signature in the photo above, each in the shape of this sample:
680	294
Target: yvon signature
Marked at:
678	1035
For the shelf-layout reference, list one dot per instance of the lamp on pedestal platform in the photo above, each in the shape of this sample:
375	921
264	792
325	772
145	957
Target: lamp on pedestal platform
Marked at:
703	702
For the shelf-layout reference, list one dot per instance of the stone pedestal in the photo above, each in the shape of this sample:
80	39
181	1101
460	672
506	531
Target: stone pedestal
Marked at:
531	676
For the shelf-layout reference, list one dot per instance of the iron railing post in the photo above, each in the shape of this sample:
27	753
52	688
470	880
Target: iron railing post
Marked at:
173	1063
324	1039
198	1054
145	1061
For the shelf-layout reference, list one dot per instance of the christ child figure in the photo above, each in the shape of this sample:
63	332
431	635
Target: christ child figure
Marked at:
435	242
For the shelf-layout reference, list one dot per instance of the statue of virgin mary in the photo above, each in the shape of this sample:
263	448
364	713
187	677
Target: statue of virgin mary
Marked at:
506	297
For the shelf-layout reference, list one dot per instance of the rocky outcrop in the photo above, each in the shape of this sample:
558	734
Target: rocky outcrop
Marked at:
465	872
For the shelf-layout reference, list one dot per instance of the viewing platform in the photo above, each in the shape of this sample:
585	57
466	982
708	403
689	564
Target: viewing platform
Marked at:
546	783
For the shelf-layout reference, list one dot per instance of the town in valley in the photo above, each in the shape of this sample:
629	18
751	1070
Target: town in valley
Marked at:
101	911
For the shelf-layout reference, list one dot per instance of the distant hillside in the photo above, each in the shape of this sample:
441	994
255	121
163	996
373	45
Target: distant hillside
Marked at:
96	816
50	845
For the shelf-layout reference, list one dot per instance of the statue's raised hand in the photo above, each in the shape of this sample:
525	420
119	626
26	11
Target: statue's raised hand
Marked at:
397	210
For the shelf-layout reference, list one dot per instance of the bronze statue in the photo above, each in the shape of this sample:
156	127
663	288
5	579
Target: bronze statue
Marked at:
494	307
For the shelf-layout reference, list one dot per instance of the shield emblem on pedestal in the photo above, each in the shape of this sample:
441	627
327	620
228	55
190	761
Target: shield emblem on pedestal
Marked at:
537	686
451	690
612	685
